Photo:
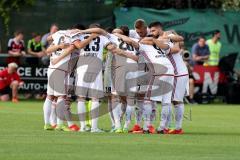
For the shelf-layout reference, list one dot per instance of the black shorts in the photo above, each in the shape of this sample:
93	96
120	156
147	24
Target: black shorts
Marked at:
5	90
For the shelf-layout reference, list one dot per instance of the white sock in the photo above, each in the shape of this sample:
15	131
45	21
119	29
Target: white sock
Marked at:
147	110
154	111
47	110
179	111
81	110
169	118
164	116
138	112
94	114
128	115
53	116
117	111
61	110
110	112
68	115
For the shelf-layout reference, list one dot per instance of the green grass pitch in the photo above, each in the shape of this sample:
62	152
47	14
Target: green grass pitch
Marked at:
213	134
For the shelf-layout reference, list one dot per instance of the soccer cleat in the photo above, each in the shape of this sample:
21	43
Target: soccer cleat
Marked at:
82	130
14	100
74	127
88	128
62	128
97	130
176	131
54	126
112	129
151	129
164	131
48	127
146	131
125	130
119	130
136	129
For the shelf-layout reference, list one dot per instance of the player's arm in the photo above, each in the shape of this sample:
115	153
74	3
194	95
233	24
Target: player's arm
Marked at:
114	50
94	30
147	41
160	43
81	44
128	40
54	48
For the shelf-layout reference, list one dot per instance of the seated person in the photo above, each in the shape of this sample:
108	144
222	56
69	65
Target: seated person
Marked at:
9	81
16	47
200	52
36	49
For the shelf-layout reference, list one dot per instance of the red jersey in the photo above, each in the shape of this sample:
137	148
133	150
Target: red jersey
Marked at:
6	78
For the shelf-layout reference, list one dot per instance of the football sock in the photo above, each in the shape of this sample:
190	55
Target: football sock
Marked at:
179	112
47	110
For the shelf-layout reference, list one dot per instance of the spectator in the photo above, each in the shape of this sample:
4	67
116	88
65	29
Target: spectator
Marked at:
215	47
200	52
53	29
35	47
9	80
16	47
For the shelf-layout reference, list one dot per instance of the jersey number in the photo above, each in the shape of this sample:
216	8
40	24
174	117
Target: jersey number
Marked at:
159	50
95	47
124	46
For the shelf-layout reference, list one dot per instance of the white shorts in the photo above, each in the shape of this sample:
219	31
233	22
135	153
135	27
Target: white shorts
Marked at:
57	82
89	84
181	88
108	86
160	88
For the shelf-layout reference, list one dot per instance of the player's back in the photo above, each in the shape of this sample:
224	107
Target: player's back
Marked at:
157	59
91	56
120	60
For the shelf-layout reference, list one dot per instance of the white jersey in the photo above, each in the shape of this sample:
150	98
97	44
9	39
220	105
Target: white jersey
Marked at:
134	34
157	60
91	56
62	36
179	66
120	60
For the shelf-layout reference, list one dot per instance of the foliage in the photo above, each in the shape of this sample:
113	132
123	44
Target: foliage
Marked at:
8	6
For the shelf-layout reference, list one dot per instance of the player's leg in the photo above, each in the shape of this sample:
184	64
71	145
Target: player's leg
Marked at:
117	112
166	85
47	106
181	86
53	116
94	115
147	110
4	94
14	86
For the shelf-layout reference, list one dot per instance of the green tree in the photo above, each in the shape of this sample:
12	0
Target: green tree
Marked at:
231	5
8	6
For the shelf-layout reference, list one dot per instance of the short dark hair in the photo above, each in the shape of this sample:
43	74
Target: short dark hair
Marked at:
201	37
78	26
216	32
95	25
35	34
155	24
109	29
17	32
125	30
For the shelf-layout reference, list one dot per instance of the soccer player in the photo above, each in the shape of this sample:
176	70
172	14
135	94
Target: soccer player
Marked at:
89	75
157	32
58	75
181	83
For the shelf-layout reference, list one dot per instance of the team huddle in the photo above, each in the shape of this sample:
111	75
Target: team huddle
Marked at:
143	66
